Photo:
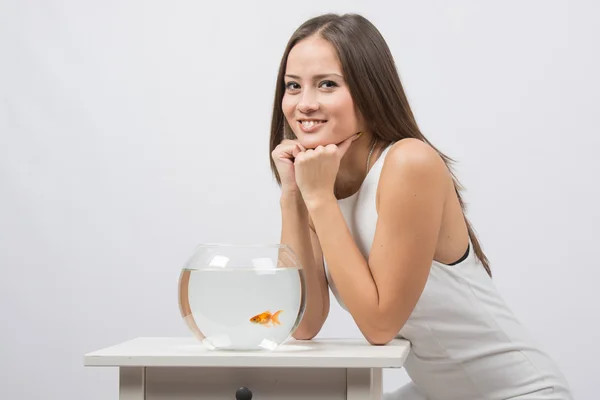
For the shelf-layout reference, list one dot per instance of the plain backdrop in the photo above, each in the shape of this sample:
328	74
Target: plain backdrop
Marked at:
131	131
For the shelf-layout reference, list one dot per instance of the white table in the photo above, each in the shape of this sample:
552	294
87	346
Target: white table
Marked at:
183	369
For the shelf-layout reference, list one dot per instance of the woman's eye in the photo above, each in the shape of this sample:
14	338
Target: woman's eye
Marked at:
330	83
324	84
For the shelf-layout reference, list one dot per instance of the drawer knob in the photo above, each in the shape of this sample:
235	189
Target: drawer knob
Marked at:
243	393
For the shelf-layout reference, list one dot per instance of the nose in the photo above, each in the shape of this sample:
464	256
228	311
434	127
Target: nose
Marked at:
308	102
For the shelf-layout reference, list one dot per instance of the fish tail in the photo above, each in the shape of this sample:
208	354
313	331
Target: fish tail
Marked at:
275	318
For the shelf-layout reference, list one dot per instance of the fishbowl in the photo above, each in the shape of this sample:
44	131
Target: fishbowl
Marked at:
242	297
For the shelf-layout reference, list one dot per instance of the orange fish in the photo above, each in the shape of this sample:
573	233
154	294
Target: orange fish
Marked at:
266	317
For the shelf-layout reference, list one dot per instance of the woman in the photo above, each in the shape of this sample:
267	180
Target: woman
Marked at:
372	209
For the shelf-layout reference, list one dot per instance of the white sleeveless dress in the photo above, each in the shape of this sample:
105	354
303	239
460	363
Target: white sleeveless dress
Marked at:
466	343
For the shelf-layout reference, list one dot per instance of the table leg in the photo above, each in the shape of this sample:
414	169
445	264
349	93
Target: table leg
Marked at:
364	384
132	382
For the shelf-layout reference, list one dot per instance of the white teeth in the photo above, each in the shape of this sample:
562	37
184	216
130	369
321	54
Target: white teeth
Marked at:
310	124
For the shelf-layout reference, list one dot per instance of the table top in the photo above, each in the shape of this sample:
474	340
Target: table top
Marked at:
189	352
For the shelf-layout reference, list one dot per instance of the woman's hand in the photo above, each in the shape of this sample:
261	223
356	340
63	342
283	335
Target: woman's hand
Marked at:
283	157
316	171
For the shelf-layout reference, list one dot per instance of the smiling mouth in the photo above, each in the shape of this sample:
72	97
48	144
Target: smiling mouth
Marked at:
311	124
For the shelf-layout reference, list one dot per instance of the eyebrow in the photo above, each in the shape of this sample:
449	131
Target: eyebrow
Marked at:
315	77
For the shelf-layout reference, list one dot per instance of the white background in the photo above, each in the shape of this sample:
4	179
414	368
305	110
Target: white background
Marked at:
131	131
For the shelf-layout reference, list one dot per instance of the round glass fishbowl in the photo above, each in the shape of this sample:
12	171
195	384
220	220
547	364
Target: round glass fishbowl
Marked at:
242	297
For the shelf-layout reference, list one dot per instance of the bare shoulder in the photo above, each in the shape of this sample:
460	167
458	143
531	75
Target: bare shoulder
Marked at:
412	194
414	161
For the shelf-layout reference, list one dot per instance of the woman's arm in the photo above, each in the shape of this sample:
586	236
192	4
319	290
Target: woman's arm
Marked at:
297	234
381	292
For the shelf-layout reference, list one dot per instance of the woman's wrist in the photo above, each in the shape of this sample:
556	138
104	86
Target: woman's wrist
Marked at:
292	198
315	203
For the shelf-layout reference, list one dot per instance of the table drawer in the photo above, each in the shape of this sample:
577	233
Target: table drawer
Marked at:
204	383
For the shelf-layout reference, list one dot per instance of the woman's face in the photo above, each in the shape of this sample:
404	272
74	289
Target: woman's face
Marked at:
317	102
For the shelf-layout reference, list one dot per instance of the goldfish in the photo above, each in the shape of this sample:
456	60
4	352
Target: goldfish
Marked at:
265	317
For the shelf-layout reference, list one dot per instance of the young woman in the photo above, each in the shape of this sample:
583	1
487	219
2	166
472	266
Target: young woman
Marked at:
374	212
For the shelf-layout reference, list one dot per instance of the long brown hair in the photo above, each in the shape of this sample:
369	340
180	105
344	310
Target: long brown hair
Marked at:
370	72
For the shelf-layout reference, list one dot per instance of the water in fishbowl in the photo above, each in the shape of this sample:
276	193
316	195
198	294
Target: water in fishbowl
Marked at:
242	308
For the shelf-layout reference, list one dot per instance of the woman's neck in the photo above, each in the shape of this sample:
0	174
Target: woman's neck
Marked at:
353	166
